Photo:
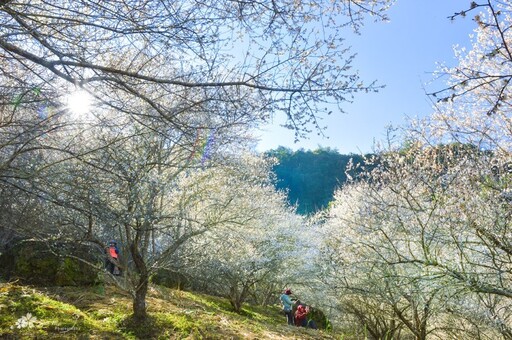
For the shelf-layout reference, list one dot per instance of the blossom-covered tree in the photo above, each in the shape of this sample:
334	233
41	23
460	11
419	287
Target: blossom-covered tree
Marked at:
247	60
234	259
418	232
474	107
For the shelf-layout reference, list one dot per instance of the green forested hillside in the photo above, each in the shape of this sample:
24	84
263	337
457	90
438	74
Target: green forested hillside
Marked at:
310	177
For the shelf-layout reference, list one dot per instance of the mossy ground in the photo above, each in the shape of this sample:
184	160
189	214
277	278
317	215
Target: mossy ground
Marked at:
104	313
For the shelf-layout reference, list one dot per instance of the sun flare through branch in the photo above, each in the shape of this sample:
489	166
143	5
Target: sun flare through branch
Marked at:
78	103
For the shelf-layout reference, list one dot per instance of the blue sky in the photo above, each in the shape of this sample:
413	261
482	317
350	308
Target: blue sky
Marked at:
401	54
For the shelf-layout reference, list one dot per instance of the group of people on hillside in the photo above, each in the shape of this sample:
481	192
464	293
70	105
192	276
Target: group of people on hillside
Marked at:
295	311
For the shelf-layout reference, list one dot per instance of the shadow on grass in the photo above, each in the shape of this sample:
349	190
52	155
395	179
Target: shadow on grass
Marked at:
171	326
142	329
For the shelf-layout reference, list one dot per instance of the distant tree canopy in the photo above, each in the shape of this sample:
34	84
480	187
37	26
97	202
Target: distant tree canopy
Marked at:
311	177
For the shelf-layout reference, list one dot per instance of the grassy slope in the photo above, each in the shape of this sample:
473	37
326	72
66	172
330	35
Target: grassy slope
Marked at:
71	313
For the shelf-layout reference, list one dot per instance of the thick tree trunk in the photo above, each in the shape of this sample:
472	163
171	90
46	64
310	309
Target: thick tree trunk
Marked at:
237	297
139	301
234	298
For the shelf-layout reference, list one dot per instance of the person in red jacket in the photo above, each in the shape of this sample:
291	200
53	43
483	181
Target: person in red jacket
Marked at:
112	263
301	316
